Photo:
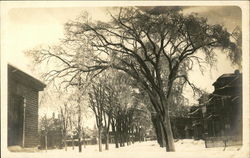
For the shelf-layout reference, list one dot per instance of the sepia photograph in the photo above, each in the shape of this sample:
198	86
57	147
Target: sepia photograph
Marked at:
125	79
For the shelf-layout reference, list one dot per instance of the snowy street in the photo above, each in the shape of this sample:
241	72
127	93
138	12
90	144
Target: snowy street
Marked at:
187	147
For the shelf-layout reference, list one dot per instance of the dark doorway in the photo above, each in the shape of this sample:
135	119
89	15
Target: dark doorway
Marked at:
15	120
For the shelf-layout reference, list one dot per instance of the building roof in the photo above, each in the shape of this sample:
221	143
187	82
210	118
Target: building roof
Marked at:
25	78
228	79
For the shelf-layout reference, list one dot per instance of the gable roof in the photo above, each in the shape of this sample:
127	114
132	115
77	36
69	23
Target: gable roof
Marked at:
228	79
25	78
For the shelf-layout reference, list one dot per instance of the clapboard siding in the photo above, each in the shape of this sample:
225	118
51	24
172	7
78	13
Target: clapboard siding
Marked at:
31	114
32	118
18	84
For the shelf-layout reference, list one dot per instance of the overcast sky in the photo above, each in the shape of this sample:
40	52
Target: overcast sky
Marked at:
29	27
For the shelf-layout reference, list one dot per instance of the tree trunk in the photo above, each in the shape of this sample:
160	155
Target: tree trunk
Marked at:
119	133
80	144
123	138
165	121
79	126
115	134
129	135
168	134
73	144
120	139
132	135
116	140
79	137
84	141
140	135
107	141
127	138
65	143
162	136
46	142
100	138
158	129
170	138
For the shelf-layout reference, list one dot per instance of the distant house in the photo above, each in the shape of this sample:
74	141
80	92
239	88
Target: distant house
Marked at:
181	127
222	111
197	115
197	126
23	108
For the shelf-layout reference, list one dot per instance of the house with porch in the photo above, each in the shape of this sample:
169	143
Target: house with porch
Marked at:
23	92
222	112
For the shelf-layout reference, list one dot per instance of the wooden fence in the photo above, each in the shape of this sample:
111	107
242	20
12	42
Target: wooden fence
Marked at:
223	141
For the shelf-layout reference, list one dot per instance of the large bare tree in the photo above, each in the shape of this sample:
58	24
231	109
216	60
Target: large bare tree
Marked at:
156	47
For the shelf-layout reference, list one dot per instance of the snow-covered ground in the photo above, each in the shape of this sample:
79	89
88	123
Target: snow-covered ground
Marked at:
184	148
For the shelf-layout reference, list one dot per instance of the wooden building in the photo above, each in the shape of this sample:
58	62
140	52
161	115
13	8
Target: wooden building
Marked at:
23	92
222	112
